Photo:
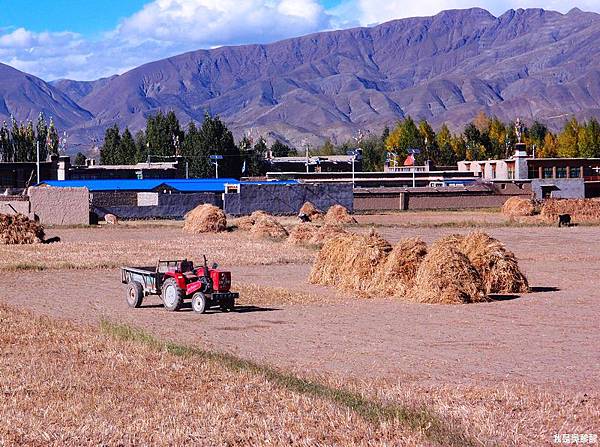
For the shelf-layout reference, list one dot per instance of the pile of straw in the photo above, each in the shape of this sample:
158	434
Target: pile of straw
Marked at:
497	266
302	234
337	214
395	276
310	234
581	210
311	211
19	229
518	207
247	222
446	276
349	261
205	219
267	226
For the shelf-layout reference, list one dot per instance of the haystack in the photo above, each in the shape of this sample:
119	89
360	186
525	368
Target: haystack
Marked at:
517	207
19	229
497	266
267	226
450	240
311	211
349	261
446	276
581	210
302	234
246	222
396	275
337	214
205	219
326	232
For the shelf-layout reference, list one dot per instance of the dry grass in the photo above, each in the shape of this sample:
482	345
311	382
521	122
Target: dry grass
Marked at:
395	276
19	229
311	211
114	248
518	207
205	219
267	227
581	210
498	267
350	261
446	276
257	295
337	214
124	387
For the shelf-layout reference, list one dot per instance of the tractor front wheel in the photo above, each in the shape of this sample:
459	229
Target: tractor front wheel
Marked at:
199	302
172	295
135	294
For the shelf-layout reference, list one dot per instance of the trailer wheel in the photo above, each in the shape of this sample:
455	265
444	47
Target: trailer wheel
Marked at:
135	294
172	295
199	302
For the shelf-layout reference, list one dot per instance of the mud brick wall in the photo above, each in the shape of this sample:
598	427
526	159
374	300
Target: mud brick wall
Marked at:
60	206
14	204
287	199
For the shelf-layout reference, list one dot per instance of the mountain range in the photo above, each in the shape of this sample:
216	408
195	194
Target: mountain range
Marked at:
527	63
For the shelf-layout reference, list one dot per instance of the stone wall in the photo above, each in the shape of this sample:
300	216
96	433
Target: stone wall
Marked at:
60	206
287	199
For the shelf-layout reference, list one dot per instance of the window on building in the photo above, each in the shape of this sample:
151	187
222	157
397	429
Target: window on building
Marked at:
547	172
510	173
532	172
574	172
561	172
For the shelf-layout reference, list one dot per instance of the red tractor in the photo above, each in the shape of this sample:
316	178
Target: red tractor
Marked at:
178	280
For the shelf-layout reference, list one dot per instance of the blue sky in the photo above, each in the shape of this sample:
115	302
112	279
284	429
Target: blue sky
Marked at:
86	39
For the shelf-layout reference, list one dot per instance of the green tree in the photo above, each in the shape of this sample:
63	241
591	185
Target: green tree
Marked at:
217	139
374	153
80	159
278	149
109	153
163	134
404	136
196	153
589	139
41	133
126	153
430	147
327	149
255	159
6	148
568	140
53	139
446	157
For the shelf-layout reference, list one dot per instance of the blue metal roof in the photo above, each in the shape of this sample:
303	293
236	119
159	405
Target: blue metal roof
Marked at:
183	185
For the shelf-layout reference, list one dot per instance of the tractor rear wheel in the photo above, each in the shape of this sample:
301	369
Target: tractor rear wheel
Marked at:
199	302
172	295
135	294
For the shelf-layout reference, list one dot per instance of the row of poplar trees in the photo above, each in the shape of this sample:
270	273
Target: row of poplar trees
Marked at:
18	142
164	138
484	138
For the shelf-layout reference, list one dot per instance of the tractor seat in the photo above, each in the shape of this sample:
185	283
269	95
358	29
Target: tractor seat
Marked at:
191	276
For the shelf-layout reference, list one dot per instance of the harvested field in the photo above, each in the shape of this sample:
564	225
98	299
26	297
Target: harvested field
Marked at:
114	247
337	214
581	210
518	207
19	229
205	219
511	372
446	276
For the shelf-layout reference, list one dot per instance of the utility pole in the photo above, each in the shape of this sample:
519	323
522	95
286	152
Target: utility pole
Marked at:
38	160
215	160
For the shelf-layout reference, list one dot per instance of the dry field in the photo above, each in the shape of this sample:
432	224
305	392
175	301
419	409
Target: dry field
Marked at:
298	363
